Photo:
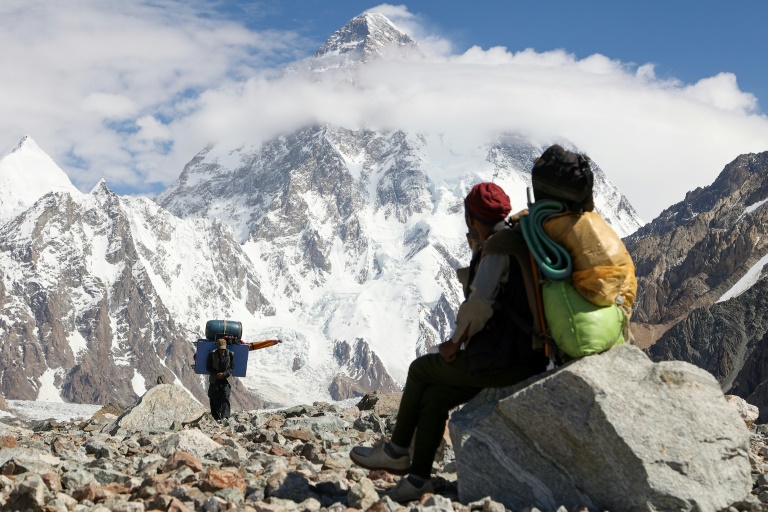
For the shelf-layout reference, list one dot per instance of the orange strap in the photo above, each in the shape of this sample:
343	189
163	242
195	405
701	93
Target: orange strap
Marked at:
539	302
256	345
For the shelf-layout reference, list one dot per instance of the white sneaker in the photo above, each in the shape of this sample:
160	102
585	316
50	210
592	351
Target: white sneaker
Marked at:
405	491
375	457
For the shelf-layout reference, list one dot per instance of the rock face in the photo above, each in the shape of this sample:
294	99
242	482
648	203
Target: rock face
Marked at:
159	408
90	303
355	235
612	432
696	250
702	291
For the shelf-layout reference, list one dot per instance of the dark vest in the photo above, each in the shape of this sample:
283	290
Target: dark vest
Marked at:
220	364
506	339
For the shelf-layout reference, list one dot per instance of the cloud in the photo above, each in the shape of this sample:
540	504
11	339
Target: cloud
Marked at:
109	106
130	91
655	138
415	26
722	92
84	77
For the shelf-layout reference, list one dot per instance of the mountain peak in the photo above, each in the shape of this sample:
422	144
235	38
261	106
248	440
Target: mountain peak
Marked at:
100	188
364	37
25	144
26	174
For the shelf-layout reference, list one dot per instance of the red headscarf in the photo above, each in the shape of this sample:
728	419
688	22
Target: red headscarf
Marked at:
488	203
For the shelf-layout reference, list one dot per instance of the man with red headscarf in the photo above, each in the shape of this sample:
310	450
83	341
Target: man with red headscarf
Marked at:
490	324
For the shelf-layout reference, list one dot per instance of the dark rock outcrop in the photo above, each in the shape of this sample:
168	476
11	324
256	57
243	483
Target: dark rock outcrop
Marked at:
697	249
701	285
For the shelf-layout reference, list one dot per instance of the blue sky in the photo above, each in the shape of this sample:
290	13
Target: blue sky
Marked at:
657	92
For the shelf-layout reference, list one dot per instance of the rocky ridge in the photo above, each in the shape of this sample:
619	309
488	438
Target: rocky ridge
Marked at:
293	459
89	297
701	286
696	250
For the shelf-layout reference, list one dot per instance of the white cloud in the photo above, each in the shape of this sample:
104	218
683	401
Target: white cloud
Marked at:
723	92
657	139
78	75
109	82
109	105
152	129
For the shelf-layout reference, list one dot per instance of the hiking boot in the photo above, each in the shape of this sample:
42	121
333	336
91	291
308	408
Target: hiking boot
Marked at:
376	457
406	491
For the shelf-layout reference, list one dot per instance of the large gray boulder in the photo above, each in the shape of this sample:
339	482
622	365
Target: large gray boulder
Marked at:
158	409
610	432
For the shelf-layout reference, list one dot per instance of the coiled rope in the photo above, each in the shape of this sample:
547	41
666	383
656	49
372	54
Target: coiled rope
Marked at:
553	261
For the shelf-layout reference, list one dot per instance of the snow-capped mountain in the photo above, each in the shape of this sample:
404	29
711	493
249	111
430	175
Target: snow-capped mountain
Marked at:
101	295
355	235
364	38
20	188
344	243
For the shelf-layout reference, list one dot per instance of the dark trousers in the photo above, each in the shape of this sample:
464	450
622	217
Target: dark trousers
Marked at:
432	388
218	393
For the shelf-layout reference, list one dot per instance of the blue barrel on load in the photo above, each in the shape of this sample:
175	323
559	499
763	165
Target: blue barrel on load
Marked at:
215	329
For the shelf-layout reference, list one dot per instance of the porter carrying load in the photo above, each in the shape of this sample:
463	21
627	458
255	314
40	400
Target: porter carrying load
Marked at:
232	332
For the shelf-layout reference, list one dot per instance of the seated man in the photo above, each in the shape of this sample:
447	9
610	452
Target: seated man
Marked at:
490	323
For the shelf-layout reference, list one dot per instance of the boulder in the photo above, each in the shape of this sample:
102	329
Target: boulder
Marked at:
194	442
611	432
319	424
748	412
28	455
158	409
383	404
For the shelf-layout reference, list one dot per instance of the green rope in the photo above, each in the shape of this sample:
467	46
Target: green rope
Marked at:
552	259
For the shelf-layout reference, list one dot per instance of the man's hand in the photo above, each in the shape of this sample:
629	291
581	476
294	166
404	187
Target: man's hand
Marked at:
514	219
448	350
220	375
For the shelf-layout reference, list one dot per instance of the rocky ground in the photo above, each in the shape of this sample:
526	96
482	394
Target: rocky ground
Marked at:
294	459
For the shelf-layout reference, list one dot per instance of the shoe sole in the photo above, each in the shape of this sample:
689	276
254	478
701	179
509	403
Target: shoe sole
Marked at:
392	471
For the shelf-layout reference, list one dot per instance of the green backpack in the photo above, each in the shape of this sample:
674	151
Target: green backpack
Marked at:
578	327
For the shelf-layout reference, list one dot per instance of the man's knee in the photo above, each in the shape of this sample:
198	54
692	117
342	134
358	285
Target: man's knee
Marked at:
421	364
